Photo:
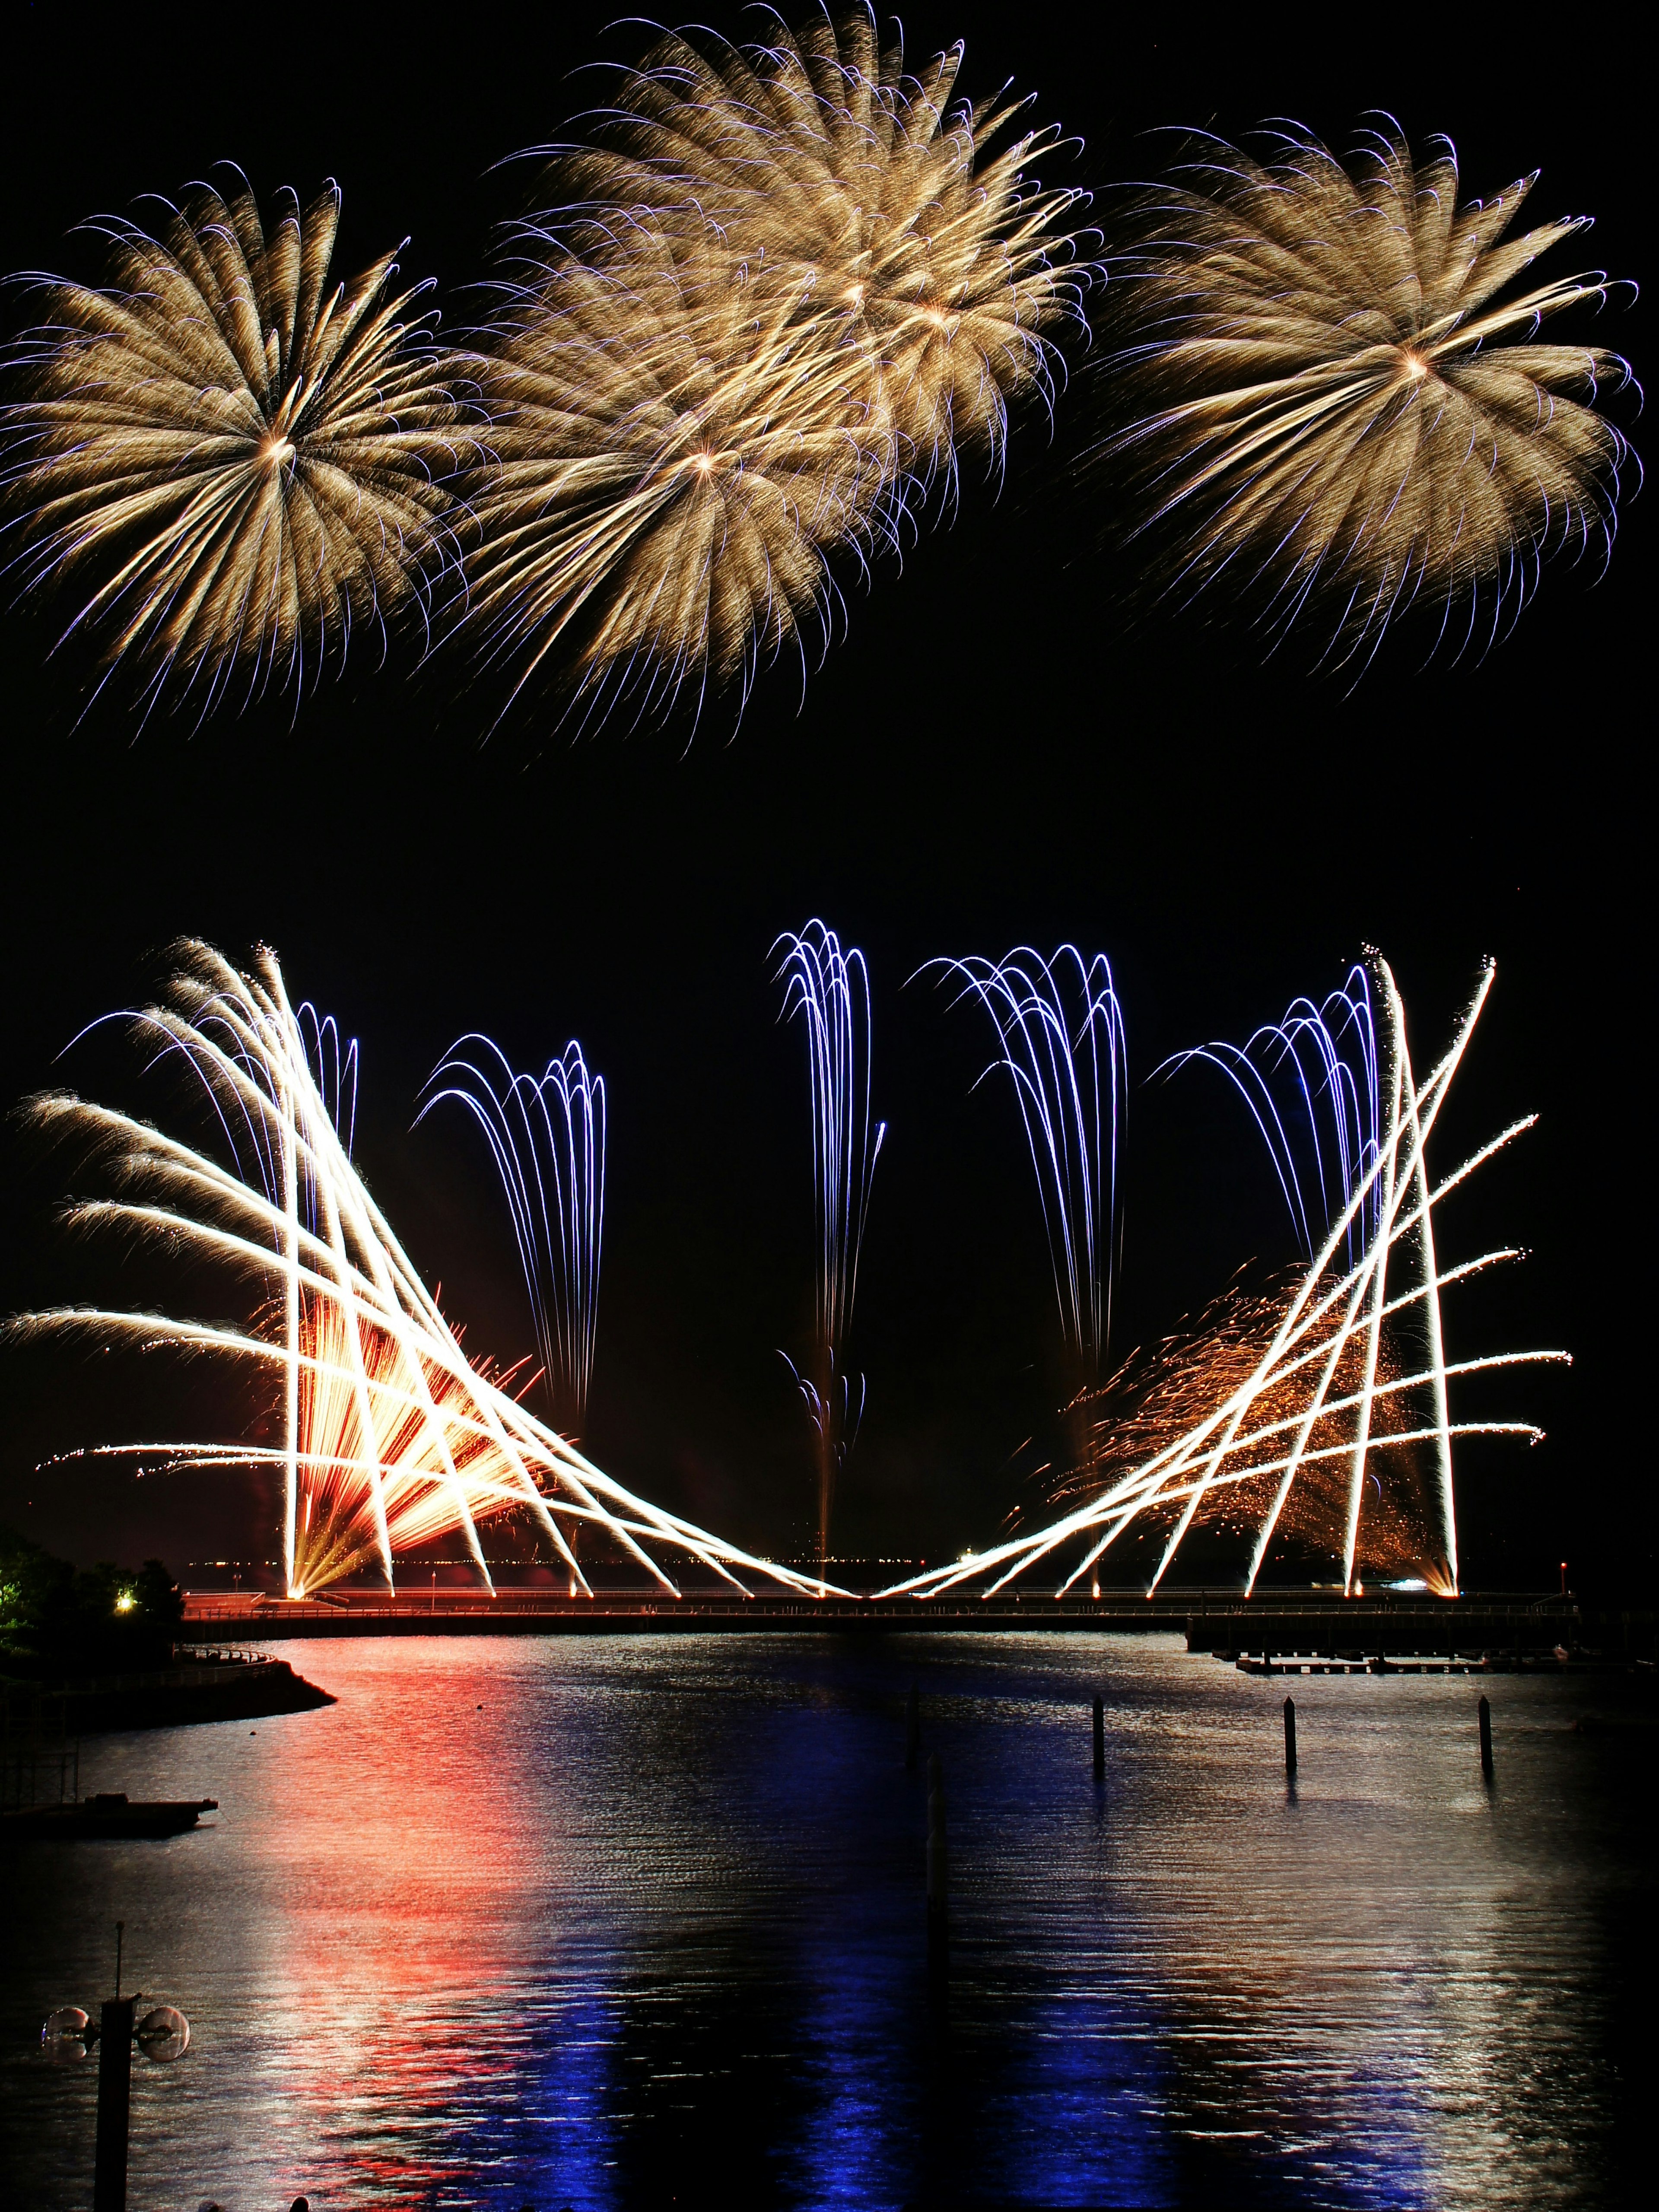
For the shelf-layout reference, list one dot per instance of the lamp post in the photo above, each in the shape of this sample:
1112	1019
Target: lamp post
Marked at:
162	2033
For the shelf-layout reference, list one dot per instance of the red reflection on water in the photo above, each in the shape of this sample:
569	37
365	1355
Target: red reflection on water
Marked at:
395	1831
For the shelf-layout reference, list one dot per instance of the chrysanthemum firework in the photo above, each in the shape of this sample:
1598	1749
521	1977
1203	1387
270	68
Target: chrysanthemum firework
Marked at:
673	458
779	292
246	458
862	194
1350	398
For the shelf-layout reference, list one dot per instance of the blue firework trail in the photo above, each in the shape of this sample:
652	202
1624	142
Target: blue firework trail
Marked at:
1060	1024
1311	1084
830	990
547	1136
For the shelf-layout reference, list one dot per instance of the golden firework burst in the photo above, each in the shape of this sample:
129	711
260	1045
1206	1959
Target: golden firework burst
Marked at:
779	292
863	194
1351	400
246	459
673	455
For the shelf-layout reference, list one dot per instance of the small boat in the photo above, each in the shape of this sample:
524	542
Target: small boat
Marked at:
111	1812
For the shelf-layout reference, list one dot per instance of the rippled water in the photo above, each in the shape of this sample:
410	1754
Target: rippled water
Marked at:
586	1922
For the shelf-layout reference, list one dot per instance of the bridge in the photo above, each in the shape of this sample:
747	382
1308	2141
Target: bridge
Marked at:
1218	1620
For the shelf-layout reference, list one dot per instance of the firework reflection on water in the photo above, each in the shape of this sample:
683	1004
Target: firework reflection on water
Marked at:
574	1942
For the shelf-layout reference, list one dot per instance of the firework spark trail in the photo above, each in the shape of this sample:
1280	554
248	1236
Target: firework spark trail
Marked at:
1060	1027
392	1436
1338	1308
829	989
1350	400
1316	1069
1160	1393
773	298
547	1137
249	462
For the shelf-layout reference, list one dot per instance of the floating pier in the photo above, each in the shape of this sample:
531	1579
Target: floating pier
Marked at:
111	1812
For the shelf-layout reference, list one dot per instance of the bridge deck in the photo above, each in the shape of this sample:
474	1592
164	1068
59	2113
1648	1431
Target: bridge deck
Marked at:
1268	1625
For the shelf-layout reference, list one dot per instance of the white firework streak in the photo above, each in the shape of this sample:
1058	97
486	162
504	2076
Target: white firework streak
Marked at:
466	1447
1223	1449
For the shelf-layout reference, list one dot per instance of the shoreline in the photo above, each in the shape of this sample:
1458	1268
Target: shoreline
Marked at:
193	1692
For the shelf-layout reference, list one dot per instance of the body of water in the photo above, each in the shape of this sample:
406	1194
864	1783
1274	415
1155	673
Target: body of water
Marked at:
603	1922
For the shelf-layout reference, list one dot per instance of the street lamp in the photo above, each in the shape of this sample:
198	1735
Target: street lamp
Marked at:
162	2033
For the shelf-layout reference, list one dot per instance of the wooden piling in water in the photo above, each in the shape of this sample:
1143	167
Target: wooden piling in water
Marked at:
1289	1736
1100	1740
109	2183
938	1867
1485	1739
912	1730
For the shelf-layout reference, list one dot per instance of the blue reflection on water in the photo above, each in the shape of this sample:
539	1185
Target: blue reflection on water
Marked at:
603	1924
861	1974
1078	2115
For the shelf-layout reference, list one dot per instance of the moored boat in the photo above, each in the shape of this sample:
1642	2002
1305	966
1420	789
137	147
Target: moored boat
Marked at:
111	1812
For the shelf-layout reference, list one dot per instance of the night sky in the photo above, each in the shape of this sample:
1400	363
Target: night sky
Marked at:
1003	745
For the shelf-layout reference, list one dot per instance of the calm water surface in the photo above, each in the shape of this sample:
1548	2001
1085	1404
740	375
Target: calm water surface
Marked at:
595	1922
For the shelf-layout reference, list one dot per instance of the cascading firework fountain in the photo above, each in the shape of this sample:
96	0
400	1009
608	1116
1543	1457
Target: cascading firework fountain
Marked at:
830	991
547	1137
390	1435
1320	1399
1060	1027
1312	1084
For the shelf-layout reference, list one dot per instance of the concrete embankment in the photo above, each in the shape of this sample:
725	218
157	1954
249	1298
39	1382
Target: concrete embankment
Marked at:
1463	1629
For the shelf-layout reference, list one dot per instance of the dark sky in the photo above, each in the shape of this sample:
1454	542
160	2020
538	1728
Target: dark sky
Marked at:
1000	748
